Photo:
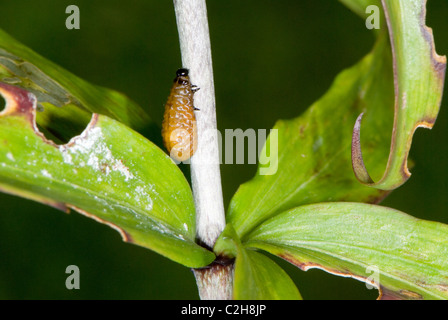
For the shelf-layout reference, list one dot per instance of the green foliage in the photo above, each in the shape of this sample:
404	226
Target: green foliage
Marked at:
353	239
109	173
314	160
314	166
312	212
65	97
255	275
419	74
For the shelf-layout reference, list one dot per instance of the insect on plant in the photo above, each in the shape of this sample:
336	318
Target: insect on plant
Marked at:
311	212
179	130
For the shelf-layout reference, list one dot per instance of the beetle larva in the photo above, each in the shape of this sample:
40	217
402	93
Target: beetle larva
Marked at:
179	122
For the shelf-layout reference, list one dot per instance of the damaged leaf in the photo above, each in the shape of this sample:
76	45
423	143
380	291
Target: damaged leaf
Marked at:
318	151
109	173
61	95
419	74
405	257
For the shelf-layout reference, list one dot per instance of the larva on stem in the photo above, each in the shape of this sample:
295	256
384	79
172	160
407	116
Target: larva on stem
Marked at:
179	130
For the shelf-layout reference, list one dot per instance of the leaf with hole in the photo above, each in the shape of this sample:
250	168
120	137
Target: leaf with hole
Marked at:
65	101
109	173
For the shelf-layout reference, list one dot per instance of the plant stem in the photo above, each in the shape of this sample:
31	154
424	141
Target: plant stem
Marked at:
192	24
215	282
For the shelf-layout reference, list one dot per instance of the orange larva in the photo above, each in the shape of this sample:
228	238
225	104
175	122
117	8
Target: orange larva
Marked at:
179	122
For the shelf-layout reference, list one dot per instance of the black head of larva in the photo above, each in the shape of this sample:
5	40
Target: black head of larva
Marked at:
182	77
182	72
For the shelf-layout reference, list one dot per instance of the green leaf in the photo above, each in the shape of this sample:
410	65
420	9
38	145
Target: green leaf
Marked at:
259	278
315	153
419	75
228	243
256	277
354	239
61	95
314	150
109	173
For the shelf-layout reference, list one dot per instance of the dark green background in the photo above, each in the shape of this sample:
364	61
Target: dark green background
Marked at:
272	59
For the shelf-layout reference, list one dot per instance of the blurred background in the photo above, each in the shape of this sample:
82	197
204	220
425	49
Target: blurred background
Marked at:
271	59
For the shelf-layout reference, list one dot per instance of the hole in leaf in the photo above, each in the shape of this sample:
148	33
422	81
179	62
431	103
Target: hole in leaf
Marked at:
2	103
60	124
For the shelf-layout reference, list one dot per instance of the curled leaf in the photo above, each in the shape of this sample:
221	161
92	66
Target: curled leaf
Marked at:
357	161
419	74
312	152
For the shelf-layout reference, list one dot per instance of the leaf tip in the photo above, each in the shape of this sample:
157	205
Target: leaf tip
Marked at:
358	165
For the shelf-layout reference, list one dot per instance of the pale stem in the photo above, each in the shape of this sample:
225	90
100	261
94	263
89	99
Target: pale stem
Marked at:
192	24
